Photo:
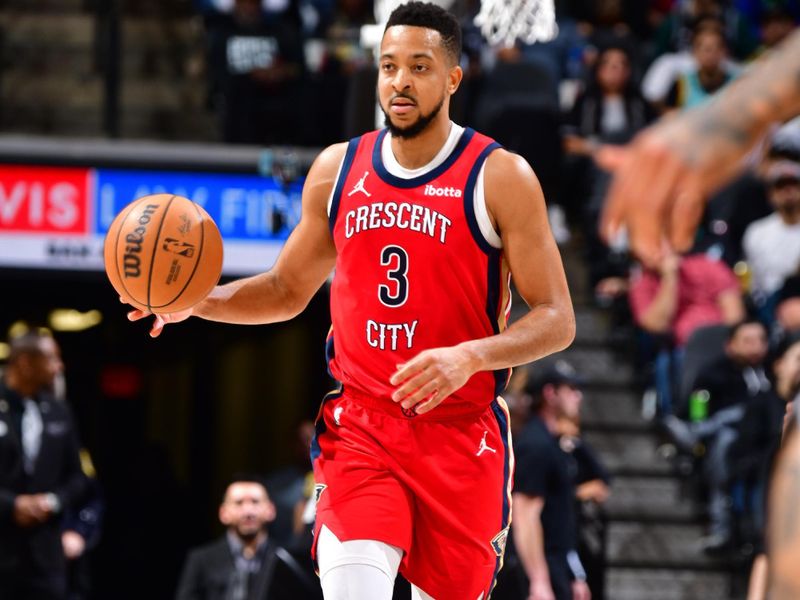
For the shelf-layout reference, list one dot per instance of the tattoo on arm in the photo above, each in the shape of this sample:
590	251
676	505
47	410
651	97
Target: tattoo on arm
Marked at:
768	94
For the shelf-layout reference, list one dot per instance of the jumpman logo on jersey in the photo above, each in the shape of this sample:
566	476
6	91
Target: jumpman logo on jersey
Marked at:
359	186
484	447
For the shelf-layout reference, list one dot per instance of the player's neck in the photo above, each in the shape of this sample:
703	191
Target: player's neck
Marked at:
420	150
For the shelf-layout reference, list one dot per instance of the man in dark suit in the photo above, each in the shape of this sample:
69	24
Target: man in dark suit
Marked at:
245	564
40	471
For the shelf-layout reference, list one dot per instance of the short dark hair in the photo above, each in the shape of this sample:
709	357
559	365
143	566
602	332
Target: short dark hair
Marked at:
430	16
734	329
244	477
29	343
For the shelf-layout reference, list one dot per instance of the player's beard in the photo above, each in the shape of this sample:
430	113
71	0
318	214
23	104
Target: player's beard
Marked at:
417	127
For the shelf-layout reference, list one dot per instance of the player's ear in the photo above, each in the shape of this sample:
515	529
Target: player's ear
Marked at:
454	78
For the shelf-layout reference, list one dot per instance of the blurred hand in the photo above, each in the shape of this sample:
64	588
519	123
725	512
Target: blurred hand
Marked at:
580	591
29	510
612	287
669	264
658	190
430	377
575	144
160	320
73	543
541	590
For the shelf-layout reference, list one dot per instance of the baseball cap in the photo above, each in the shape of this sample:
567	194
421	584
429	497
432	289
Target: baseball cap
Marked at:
557	373
783	170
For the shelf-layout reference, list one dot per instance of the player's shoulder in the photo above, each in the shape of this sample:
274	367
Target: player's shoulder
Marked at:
502	164
330	158
507	177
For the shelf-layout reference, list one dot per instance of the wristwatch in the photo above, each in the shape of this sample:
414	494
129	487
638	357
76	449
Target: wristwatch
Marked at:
53	502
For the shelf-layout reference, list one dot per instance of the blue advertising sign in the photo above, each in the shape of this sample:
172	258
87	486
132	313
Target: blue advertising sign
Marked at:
244	207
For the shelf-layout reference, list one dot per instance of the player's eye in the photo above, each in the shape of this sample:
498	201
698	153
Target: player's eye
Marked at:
387	66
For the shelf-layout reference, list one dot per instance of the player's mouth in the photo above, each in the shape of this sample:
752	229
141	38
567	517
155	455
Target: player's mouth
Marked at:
402	106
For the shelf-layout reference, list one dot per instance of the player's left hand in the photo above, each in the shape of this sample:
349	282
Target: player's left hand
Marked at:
430	377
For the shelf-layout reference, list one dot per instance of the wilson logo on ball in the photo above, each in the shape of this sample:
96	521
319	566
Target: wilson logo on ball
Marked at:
131	262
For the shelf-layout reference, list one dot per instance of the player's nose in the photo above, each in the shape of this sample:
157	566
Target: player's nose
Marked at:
401	80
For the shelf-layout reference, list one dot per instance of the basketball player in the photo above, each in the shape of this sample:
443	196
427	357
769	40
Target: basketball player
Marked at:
664	176
424	222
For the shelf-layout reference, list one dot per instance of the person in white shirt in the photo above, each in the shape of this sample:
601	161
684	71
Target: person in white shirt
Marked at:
772	244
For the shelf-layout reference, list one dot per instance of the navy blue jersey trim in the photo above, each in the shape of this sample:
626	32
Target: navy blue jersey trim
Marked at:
503	425
469	200
319	427
352	146
493	284
399	182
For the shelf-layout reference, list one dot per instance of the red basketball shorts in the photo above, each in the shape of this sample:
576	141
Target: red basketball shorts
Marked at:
437	488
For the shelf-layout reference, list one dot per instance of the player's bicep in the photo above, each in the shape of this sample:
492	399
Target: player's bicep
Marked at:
517	203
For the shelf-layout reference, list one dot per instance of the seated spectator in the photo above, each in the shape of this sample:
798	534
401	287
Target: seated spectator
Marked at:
670	302
696	86
666	69
772	244
544	527
787	309
609	111
256	65
245	564
676	31
728	385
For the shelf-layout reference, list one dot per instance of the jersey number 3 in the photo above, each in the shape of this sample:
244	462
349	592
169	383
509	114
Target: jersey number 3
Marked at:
396	293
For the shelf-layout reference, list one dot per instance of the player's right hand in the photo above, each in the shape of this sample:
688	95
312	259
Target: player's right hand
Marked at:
160	319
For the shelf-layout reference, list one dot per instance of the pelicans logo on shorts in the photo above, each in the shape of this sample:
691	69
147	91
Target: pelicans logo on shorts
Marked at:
499	542
318	489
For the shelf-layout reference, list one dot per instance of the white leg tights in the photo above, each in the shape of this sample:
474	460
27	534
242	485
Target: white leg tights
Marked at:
356	569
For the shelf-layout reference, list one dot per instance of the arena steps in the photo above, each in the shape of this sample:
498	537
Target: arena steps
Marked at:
654	524
667	584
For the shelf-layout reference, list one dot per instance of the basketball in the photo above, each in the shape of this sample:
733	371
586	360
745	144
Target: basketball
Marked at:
163	253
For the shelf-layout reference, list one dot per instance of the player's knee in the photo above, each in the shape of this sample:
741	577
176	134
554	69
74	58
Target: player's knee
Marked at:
357	582
357	569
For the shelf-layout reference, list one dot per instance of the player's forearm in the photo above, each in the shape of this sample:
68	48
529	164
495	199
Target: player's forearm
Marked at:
547	328
253	300
733	122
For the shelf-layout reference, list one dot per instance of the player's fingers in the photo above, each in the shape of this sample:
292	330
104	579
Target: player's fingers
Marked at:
432	402
415	365
613	211
650	211
426	391
686	215
137	314
412	384
611	157
158	326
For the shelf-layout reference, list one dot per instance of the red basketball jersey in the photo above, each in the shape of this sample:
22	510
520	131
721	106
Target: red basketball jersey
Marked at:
413	270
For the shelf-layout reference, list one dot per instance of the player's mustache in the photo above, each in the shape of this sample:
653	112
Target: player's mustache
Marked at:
406	96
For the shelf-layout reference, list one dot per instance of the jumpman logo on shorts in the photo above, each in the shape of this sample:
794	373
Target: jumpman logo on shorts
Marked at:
484	447
359	186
